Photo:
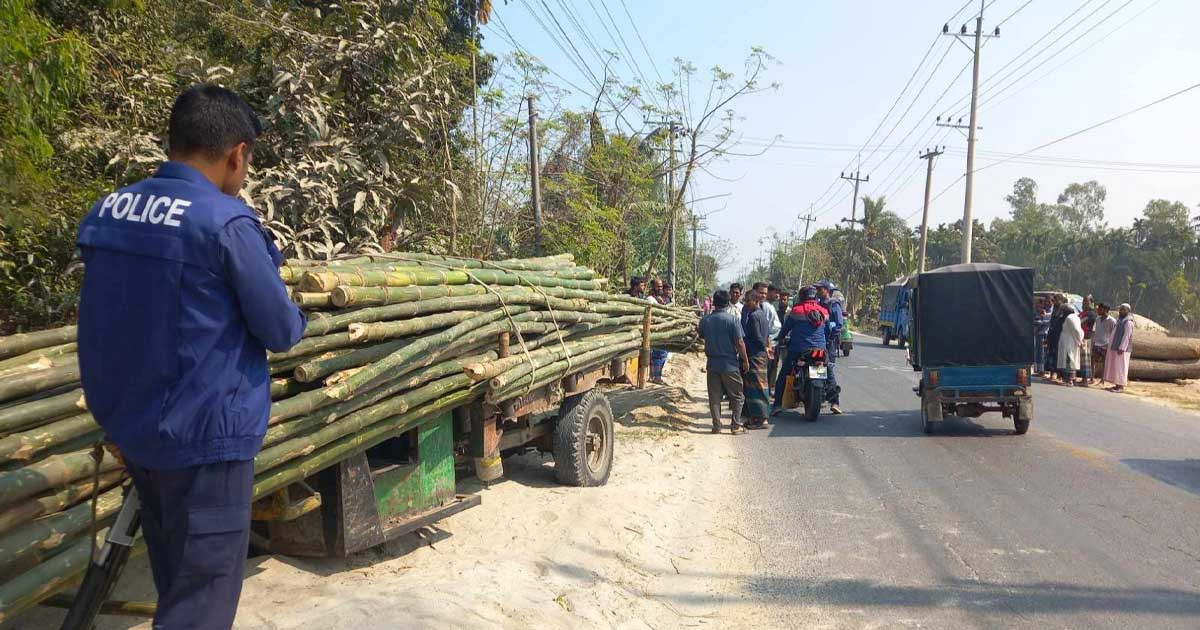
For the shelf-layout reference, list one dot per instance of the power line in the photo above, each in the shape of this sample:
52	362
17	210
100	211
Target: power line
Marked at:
821	199
1084	50
507	36
631	60
646	50
992	96
961	101
1010	15
1095	126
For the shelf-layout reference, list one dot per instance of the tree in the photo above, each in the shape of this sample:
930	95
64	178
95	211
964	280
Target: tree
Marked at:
1081	206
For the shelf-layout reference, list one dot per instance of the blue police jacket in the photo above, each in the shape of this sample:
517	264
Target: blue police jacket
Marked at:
181	299
800	333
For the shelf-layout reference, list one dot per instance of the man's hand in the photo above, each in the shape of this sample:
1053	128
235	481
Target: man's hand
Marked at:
745	366
771	352
114	452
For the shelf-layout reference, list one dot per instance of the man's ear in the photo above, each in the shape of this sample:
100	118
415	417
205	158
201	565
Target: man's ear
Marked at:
237	157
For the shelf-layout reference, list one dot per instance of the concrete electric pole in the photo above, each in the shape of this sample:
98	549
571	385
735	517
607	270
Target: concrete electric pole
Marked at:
972	126
928	156
807	219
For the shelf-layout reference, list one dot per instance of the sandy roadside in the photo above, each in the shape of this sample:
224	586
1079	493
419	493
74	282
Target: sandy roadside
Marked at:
645	551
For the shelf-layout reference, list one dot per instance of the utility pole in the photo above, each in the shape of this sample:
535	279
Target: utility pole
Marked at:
807	219
928	156
857	179
854	177
671	212
972	127
535	179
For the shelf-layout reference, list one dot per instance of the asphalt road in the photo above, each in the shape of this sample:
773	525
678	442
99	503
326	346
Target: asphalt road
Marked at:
1091	520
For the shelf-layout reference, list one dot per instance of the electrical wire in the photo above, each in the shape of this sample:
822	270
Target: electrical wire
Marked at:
645	49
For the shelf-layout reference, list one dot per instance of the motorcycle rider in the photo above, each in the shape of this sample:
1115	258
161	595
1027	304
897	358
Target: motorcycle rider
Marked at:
804	330
837	320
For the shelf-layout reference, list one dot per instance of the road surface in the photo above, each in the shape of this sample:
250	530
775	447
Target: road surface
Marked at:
1090	520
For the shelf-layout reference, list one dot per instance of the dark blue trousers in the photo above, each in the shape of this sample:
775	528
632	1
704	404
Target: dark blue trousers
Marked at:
196	522
831	385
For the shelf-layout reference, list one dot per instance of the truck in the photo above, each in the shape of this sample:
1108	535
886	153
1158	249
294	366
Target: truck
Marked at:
895	298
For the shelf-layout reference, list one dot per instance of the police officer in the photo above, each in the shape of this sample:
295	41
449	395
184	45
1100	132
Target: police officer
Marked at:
837	320
181	299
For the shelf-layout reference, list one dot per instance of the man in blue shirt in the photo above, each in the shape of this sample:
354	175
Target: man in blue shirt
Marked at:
181	299
837	320
725	347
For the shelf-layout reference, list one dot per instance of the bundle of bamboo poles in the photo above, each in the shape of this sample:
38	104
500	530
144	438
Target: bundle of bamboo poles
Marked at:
392	341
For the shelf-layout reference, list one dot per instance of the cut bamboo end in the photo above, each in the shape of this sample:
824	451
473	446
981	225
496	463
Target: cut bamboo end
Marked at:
360	332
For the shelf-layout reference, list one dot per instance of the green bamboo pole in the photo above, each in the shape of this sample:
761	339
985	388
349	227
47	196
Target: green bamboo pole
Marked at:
570	300
312	300
33	355
24	591
397	405
21	343
40	380
322	366
325	415
399	362
27	414
52	472
25	445
482	371
378	296
380	331
38	365
285	387
313	345
55	500
285	366
515	387
46	534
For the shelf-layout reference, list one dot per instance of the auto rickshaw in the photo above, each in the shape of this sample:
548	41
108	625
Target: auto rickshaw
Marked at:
972	342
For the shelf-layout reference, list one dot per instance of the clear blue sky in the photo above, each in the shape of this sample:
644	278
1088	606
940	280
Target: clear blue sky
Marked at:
842	64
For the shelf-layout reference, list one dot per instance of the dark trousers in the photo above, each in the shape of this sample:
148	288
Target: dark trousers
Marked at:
196	522
834	396
725	385
773	365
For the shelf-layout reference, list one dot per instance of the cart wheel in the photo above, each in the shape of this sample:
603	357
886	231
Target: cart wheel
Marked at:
583	440
1021	425
926	425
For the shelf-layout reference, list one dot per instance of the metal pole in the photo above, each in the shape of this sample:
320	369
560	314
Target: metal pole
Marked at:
968	210
671	212
535	179
928	157
804	249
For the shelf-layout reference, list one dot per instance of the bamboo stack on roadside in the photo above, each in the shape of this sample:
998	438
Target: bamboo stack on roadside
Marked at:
393	341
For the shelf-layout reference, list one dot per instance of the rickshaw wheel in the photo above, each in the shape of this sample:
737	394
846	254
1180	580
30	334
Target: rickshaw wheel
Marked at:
1021	425
926	425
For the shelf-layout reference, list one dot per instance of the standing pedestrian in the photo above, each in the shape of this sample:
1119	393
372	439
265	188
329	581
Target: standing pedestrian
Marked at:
181	300
725	349
735	301
1102	332
775	325
637	287
1116	360
756	386
660	293
1087	319
1070	340
1041	321
1057	316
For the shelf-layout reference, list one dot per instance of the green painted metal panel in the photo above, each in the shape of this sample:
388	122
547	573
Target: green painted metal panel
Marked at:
427	483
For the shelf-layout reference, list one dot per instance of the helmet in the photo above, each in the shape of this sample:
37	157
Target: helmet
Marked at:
827	285
808	293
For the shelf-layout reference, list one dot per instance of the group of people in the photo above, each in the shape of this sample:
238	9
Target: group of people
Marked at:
659	292
753	341
1083	347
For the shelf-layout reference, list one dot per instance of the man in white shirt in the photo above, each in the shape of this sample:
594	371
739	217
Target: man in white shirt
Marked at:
735	301
1102	332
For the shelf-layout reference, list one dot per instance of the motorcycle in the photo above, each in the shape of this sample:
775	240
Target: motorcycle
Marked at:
808	380
847	341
